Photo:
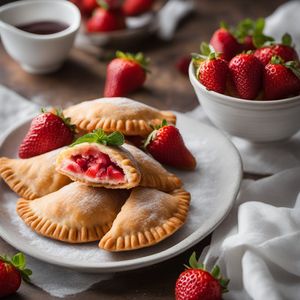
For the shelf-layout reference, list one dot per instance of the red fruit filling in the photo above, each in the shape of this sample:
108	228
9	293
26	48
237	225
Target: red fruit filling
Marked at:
96	165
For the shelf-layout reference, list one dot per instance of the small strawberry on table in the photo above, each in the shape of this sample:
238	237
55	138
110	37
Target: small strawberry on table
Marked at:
197	283
125	74
166	145
12	271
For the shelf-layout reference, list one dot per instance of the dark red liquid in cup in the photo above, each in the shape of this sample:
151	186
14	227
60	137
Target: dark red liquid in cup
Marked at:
43	27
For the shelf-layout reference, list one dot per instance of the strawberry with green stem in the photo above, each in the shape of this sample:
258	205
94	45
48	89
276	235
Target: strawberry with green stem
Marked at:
125	74
166	145
48	131
281	79
12	271
106	18
211	70
224	42
285	50
197	283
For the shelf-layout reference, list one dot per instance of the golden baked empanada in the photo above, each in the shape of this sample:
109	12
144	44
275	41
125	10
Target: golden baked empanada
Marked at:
147	217
95	164
76	213
117	114
154	175
33	177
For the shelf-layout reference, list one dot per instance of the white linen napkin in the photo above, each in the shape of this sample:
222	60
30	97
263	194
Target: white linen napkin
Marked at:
257	246
56	281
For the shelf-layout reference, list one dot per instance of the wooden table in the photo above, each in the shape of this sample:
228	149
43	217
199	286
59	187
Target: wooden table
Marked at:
82	77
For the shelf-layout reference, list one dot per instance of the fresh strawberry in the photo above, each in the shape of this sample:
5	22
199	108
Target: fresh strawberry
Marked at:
225	43
281	80
246	73
48	131
104	20
125	74
183	63
136	7
88	6
284	50
166	145
11	273
211	70
196	283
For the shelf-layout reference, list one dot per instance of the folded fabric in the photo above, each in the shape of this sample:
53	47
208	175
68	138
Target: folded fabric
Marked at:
257	246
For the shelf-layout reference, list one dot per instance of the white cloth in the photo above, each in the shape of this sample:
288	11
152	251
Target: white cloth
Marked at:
170	15
257	246
261	158
56	281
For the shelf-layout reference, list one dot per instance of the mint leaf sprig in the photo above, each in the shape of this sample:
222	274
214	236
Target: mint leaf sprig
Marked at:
19	262
99	136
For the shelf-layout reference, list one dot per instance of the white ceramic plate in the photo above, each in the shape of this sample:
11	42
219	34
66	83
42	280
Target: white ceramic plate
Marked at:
213	185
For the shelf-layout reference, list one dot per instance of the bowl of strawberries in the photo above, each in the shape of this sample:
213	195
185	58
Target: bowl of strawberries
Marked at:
117	23
248	84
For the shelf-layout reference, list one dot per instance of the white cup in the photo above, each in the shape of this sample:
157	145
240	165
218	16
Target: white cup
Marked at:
38	53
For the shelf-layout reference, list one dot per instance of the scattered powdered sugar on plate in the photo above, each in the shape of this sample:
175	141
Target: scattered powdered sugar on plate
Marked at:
213	187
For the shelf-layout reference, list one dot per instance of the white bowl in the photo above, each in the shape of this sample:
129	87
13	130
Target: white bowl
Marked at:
38	53
257	121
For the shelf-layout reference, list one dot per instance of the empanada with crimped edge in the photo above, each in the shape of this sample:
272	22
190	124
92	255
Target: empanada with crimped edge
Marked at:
33	177
117	114
75	214
98	165
147	217
153	174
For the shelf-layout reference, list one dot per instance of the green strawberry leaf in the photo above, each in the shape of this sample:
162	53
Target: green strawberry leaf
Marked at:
294	67
19	262
138	58
260	40
103	4
99	136
286	40
193	261
205	49
215	272
224	25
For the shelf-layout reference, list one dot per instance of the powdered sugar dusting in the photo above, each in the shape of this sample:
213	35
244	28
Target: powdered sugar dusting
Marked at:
127	103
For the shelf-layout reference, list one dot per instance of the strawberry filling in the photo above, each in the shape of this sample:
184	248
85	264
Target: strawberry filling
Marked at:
96	165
